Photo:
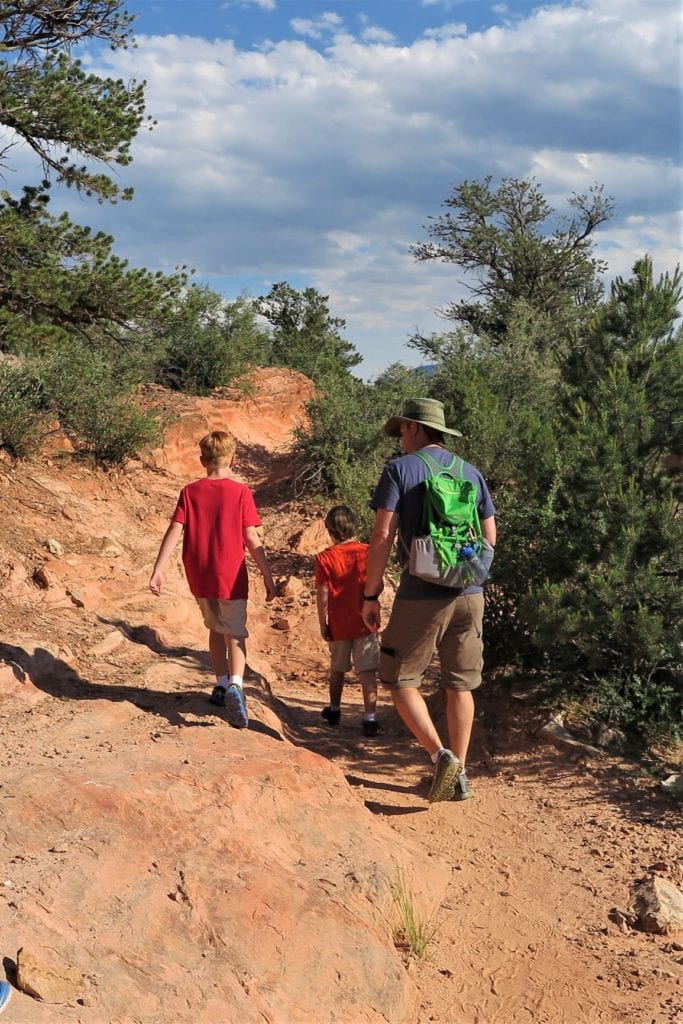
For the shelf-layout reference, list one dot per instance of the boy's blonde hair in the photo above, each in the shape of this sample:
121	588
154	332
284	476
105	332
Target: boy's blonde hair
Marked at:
341	522
217	447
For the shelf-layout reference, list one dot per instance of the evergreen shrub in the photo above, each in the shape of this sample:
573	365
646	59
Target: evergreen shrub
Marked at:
23	421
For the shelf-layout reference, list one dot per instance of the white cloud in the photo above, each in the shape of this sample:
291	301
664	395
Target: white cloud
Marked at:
447	31
317	27
291	163
265	5
448	5
375	34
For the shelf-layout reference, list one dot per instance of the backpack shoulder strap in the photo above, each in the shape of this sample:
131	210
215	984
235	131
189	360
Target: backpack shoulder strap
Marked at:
435	467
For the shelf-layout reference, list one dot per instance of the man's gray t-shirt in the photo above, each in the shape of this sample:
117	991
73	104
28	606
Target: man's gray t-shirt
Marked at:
400	490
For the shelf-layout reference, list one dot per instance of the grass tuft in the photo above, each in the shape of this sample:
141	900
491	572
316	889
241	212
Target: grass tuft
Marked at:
412	930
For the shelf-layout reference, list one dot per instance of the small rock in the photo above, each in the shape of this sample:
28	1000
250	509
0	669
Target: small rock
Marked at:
291	587
110	641
658	905
609	738
282	624
673	786
109	548
52	982
76	598
54	547
555	732
618	918
41	578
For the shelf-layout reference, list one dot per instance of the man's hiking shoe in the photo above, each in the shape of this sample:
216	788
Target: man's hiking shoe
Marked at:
218	696
236	707
331	715
446	772
462	789
371	728
5	995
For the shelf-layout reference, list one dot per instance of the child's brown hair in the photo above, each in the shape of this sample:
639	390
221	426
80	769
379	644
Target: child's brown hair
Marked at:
217	447
341	523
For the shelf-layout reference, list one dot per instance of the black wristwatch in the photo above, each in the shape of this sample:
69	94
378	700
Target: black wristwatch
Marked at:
370	597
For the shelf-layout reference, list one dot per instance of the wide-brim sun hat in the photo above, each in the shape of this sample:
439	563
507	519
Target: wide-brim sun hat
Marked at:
427	411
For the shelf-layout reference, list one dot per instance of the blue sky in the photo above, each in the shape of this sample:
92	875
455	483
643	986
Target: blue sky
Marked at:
312	141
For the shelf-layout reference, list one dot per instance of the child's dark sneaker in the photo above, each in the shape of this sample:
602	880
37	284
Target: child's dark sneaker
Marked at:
218	696
331	715
446	772
236	707
371	728
462	789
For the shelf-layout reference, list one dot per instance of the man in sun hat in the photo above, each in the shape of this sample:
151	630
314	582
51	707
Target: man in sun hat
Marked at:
426	618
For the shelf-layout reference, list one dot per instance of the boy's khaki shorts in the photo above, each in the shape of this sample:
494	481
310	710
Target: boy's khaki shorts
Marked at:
450	627
229	617
365	651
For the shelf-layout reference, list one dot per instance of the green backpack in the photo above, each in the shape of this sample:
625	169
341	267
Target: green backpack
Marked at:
450	522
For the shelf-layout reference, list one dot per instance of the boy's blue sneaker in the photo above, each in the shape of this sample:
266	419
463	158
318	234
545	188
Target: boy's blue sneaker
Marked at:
5	995
236	707
218	696
446	772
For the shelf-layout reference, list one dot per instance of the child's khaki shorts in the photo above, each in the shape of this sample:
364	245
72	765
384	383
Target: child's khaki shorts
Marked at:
229	617
364	650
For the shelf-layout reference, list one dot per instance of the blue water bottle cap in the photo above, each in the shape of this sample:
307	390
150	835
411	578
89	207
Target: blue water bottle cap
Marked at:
468	550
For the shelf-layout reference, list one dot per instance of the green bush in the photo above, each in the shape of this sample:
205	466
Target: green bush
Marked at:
342	454
97	405
210	343
23	421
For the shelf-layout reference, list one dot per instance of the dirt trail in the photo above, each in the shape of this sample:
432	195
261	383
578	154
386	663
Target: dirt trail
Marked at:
538	858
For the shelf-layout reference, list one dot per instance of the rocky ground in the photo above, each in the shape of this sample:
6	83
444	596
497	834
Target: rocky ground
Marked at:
159	866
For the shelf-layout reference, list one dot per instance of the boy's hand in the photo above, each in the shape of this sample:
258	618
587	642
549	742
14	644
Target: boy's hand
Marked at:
271	590
156	583
326	632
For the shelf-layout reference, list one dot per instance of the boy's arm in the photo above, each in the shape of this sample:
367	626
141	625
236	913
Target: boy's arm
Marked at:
322	594
171	538
258	553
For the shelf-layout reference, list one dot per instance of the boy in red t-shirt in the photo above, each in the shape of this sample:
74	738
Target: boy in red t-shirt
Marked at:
340	578
216	517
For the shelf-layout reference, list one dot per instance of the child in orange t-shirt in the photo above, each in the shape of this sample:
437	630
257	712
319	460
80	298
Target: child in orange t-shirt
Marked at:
340	573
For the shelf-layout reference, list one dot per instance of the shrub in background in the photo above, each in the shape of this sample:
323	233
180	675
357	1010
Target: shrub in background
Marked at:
23	419
97	405
210	343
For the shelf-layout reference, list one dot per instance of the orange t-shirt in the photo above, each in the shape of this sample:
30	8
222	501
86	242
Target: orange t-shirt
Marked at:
343	569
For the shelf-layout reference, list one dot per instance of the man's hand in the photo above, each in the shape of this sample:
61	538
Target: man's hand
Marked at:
156	582
271	590
372	615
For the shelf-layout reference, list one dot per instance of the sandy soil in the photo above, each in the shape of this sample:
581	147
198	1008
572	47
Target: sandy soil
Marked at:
547	847
539	857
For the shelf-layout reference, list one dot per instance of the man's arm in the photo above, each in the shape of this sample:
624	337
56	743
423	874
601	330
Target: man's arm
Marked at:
381	541
488	529
170	539
258	553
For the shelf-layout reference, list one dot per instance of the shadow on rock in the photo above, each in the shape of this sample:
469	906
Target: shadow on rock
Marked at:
57	678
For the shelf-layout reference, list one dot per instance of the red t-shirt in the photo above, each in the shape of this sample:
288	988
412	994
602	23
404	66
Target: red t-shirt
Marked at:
214	512
343	569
